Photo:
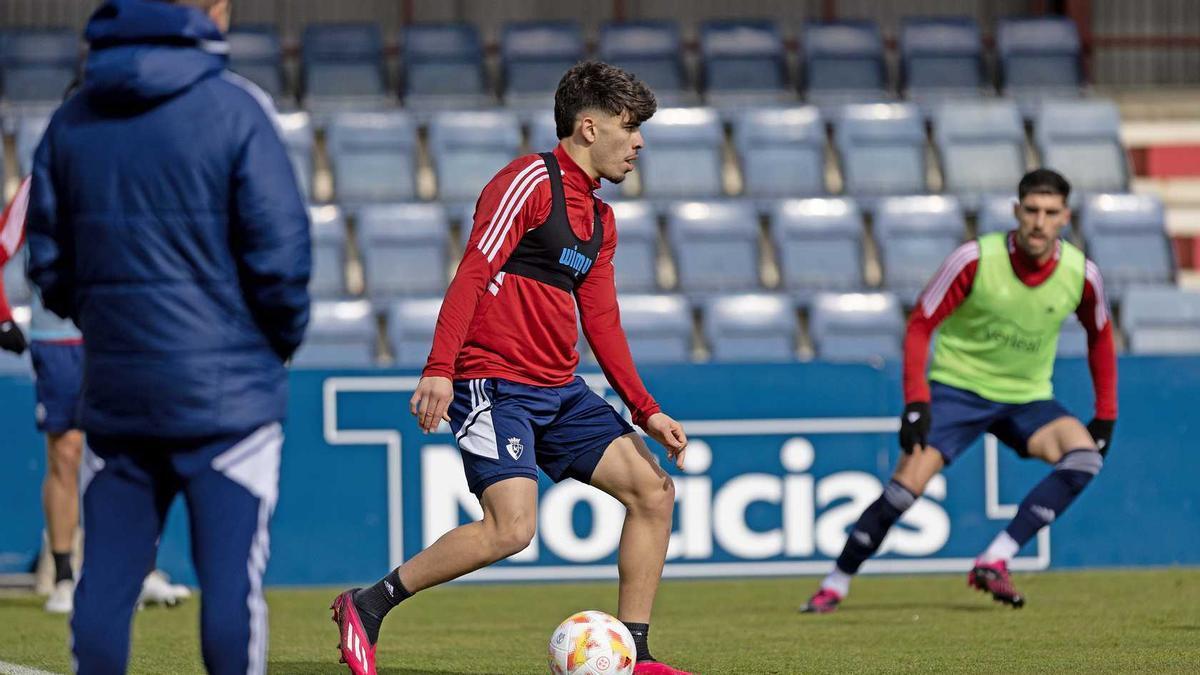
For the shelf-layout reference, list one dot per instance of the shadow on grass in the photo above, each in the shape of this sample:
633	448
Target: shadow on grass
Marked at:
1185	626
323	667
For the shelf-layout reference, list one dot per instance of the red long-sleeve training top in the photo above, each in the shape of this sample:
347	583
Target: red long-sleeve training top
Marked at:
950	287
498	325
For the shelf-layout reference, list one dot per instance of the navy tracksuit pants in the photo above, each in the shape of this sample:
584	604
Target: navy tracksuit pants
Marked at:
230	486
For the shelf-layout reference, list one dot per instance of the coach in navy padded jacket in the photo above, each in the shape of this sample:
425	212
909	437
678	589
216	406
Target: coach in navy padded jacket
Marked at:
166	220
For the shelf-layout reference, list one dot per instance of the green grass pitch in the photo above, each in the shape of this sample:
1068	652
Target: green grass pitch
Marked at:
1075	622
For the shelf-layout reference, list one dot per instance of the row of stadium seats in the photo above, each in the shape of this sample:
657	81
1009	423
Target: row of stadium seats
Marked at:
816	244
733	328
442	65
782	152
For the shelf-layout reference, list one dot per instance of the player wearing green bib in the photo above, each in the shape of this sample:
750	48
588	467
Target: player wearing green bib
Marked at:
999	302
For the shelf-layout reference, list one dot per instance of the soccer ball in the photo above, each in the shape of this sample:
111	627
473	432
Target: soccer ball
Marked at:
591	643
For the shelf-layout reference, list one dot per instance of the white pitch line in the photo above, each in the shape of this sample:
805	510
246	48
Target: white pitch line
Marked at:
7	668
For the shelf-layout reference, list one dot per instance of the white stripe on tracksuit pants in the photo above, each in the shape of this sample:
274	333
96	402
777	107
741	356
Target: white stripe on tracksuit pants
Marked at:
230	487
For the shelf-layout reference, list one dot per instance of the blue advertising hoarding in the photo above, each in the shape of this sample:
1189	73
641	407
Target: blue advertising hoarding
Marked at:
782	460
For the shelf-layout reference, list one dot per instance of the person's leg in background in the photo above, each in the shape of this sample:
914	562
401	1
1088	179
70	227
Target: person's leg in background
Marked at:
60	503
126	493
57	368
231	489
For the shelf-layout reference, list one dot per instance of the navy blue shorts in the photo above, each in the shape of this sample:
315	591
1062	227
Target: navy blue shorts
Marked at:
58	377
505	429
959	417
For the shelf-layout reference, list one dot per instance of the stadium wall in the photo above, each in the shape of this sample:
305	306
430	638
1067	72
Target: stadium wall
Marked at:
782	460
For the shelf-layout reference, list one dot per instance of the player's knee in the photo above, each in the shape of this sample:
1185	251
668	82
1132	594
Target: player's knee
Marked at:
64	455
512	535
653	496
1079	467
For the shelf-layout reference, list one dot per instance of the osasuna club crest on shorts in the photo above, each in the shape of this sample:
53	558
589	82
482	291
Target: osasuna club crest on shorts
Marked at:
515	448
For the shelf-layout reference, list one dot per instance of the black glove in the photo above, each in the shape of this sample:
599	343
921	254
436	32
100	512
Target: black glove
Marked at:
1101	431
914	426
11	338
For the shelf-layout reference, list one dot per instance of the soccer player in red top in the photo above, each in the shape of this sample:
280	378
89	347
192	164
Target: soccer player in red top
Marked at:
998	303
502	367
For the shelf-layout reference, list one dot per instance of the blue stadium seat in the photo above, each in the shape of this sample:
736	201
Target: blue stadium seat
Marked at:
856	326
751	327
882	150
404	248
373	156
981	146
715	245
682	157
915	234
742	61
442	66
1038	58
1126	236
782	152
659	328
255	54
341	334
996	215
343	67
1162	320
940	58
468	148
300	139
636	259
534	56
651	50
28	137
843	62
543	134
37	65
411	323
1072	338
819	242
1081	140
329	252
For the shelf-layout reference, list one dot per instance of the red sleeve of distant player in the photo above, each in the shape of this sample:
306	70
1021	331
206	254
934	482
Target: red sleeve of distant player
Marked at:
5	310
1102	355
516	200
944	293
12	235
601	319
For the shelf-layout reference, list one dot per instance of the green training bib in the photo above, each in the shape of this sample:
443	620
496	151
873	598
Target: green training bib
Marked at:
1001	341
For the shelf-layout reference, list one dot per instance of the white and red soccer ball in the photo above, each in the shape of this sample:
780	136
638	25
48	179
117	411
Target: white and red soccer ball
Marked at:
591	643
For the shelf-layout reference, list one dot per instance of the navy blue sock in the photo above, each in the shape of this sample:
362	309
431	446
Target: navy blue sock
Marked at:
873	525
1049	498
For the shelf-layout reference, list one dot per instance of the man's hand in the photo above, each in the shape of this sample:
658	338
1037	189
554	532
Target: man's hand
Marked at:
11	338
670	434
914	427
430	402
1102	431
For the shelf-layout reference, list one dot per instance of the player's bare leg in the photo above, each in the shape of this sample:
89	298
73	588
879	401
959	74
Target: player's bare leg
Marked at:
629	472
913	472
1066	444
508	525
60	501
